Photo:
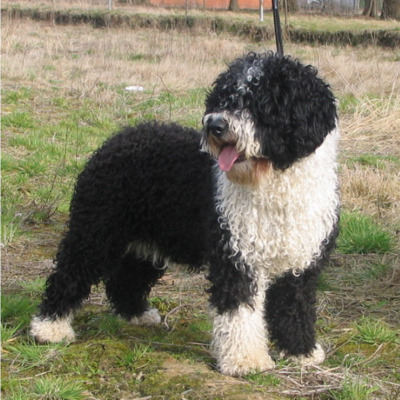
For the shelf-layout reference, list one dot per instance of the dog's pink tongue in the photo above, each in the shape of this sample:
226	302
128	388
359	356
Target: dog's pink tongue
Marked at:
227	157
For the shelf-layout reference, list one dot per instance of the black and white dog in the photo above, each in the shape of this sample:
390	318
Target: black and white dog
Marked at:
263	217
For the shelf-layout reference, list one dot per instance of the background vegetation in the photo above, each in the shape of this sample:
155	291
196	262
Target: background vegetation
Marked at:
311	28
64	92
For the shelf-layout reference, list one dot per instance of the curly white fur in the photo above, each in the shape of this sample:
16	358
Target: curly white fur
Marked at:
148	318
46	330
280	224
239	338
315	358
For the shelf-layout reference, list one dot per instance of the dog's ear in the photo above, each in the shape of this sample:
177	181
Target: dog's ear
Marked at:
295	110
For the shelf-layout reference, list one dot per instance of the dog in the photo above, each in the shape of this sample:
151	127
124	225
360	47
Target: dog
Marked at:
253	196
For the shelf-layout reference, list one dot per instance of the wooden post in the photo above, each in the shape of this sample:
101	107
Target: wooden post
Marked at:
286	13
261	10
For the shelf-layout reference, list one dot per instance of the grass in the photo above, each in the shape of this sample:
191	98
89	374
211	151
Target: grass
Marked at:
54	389
374	332
16	308
57	389
354	390
63	94
29	355
132	357
375	161
264	380
361	235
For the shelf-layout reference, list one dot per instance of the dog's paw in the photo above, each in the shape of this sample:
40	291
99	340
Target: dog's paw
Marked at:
47	330
316	357
149	317
240	367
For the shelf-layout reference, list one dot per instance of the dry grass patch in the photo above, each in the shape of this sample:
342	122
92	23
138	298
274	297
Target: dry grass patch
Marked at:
49	56
373	191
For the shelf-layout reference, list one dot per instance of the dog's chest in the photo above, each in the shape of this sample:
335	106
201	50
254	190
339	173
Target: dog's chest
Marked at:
280	225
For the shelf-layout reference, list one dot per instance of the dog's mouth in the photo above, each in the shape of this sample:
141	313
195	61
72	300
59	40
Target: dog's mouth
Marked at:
229	156
240	167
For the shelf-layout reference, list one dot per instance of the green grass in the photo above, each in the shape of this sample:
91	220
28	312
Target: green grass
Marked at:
18	120
359	234
133	356
348	103
29	355
16	309
374	161
8	333
58	389
49	389
263	379
374	332
109	324
33	287
10	224
354	390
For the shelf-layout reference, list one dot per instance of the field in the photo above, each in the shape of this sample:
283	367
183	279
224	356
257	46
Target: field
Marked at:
63	93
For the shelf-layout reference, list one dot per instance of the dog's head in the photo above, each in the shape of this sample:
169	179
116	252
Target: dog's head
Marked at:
265	111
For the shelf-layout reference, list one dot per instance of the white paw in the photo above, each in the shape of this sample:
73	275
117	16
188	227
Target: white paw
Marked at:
316	357
149	317
47	330
239	366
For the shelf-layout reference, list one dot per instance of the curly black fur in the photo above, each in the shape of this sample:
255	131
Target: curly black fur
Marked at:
119	200
231	286
294	109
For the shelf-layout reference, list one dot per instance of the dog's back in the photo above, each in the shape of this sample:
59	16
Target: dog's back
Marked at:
156	182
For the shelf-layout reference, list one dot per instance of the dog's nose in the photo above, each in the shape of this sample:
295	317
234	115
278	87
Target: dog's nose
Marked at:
216	126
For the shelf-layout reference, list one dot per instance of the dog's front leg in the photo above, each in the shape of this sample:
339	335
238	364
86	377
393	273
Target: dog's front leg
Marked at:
291	316
239	342
239	333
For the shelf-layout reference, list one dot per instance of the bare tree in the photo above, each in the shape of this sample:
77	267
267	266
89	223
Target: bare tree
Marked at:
371	8
391	9
233	5
291	5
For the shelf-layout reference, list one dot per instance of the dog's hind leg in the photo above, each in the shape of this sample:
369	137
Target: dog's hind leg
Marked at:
128	288
78	267
291	316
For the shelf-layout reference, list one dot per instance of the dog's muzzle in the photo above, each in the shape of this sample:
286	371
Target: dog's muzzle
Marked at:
215	125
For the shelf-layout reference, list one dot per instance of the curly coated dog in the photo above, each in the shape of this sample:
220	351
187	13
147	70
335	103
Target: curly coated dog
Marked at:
254	197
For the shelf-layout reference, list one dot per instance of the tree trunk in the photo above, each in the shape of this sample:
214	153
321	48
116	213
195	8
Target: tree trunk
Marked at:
233	5
292	6
391	9
371	8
